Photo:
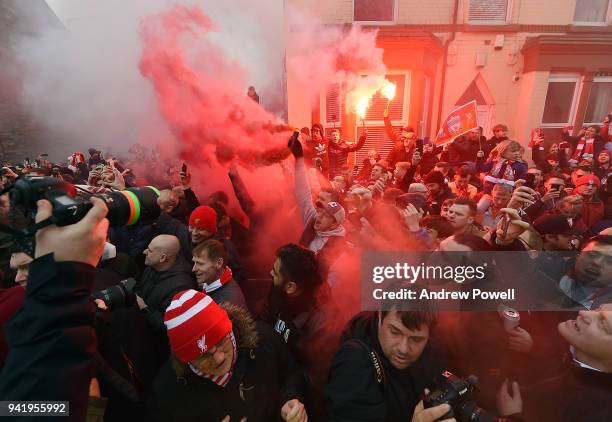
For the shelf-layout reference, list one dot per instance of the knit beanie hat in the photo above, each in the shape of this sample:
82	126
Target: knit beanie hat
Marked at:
204	218
195	323
588	179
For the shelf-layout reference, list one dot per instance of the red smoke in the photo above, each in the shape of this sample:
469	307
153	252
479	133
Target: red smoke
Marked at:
201	94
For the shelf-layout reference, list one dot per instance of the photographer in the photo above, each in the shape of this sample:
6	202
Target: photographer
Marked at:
52	339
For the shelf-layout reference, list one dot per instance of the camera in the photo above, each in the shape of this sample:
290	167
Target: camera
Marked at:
119	295
457	393
125	208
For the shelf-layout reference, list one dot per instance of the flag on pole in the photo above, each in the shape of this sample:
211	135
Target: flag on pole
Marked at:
461	120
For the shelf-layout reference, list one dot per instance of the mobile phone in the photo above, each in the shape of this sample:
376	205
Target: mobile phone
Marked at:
530	180
505	224
184	168
419	145
564	145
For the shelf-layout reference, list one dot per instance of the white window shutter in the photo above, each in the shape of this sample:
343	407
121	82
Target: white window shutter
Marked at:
333	104
488	10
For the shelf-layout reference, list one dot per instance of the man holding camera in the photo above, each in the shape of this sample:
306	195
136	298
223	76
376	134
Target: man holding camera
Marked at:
382	367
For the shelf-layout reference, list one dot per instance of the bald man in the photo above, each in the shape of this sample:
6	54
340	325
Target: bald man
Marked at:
166	274
168	202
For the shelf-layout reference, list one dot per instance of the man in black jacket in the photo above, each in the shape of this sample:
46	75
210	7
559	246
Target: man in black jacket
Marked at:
52	340
224	367
383	366
301	310
167	273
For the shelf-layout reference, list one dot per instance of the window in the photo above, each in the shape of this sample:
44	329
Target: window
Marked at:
398	113
333	106
591	12
489	11
374	11
600	100
561	99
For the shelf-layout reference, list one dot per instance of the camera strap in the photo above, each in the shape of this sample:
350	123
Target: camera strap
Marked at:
379	371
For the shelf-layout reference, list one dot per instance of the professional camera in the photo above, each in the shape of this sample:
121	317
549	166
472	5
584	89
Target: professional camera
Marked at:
457	393
125	208
118	296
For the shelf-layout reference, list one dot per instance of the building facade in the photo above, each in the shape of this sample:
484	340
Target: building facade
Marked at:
527	63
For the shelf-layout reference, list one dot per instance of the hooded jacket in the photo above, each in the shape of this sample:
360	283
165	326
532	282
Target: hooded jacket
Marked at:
353	392
157	288
338	154
264	378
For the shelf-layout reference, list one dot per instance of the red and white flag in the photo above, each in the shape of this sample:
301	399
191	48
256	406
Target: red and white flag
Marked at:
461	120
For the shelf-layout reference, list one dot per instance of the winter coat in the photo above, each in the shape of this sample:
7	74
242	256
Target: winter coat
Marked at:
338	155
265	377
52	341
399	154
310	325
354	392
157	288
463	149
229	292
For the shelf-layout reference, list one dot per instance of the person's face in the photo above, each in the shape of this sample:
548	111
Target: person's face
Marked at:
587	190
474	135
277	278
577	174
401	345
218	360
324	221
21	263
199	235
590	133
444	210
513	154
5	207
408	141
376	173
399	172
316	134
433	188
462	182
432	234
499	133
372	155
590	334
459	216
205	269
594	265
325	197
538	176
500	198
153	254
407	136
553	163
555	182
603	158
554	148
335	136
339	183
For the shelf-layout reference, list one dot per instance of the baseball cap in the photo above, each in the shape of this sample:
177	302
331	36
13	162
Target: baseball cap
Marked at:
555	224
334	209
588	179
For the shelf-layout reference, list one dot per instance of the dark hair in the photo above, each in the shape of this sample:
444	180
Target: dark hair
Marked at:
469	203
500	126
448	202
218	196
389	195
553	176
439	224
464	172
473	242
413	320
219	209
213	248
299	265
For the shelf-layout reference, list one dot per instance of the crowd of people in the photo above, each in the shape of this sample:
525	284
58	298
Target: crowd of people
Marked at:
189	317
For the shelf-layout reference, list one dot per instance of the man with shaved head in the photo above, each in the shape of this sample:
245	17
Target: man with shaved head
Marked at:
167	273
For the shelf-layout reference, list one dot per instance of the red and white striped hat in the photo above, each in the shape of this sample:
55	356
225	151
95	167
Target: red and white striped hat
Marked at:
195	323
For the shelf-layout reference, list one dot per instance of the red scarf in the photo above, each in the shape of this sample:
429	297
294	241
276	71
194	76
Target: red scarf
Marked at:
585	146
225	278
220	380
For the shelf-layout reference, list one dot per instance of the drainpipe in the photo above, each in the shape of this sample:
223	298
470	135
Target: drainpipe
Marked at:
446	44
